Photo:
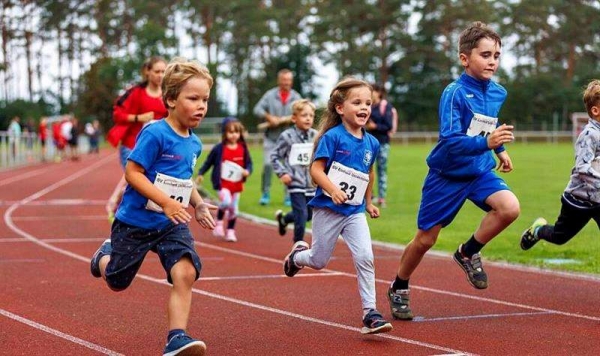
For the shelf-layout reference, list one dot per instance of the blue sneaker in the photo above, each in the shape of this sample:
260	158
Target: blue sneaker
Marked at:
265	199
104	250
183	344
374	323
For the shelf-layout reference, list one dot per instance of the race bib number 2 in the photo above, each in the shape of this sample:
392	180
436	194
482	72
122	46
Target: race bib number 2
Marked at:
482	125
352	182
175	188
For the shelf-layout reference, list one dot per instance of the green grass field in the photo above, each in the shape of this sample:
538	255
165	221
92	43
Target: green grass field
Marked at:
540	175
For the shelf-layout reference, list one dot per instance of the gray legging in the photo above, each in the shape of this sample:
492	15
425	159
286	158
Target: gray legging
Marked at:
267	173
327	225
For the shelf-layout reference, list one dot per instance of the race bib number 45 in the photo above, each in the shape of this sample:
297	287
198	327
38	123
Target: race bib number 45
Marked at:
300	154
352	182
175	188
482	125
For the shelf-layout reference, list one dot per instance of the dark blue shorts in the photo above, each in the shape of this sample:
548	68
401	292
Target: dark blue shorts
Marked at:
131	244
442	198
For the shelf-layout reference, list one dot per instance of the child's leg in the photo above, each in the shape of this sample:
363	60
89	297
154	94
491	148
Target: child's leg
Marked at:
183	275
300	215
232	212
569	222
327	226
357	236
382	161
415	250
504	210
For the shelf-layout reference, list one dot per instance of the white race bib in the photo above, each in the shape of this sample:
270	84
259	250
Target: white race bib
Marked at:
300	154
482	125
175	188
231	171
352	182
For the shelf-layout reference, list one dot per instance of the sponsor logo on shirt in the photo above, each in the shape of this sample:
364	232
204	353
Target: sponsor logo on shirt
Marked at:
344	152
171	157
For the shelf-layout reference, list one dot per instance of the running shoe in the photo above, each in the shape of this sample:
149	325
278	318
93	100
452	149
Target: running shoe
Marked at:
289	267
104	250
375	324
529	236
472	268
280	222
183	344
400	303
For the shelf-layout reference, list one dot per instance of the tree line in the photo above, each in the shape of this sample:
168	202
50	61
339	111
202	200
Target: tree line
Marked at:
410	46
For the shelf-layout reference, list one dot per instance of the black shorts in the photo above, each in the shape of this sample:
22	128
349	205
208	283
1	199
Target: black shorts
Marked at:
131	244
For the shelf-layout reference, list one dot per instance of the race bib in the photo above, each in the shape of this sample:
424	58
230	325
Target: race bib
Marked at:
482	125
175	188
352	182
231	171
300	154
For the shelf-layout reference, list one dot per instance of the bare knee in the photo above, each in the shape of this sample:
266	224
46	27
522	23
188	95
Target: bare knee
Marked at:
425	240
510	212
183	272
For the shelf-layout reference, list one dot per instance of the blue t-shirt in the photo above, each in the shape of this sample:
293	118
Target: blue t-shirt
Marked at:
338	145
159	149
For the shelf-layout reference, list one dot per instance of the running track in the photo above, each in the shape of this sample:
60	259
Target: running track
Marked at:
53	220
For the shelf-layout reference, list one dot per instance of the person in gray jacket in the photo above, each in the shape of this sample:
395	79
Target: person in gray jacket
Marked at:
275	108
291	159
581	198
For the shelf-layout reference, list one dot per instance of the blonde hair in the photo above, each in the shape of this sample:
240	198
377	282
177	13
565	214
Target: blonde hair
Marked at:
338	95
591	95
299	105
470	37
178	72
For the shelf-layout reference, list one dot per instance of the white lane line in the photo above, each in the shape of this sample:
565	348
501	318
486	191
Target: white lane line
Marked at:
483	316
12	226
432	290
59	217
23	176
55	202
51	240
57	333
267	276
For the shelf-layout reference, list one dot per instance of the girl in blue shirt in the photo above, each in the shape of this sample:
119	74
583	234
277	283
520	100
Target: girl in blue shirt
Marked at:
342	169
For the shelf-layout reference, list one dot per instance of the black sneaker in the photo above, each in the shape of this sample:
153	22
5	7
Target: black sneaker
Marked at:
400	304
529	238
473	268
374	323
105	249
289	267
281	222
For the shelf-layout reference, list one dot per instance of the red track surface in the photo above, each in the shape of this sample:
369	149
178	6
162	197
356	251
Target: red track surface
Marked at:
53	220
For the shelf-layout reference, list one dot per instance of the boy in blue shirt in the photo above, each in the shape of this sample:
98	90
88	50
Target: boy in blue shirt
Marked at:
461	166
152	215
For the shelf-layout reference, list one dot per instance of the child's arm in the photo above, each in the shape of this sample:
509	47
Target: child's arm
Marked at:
505	164
210	161
370	207
278	156
202	210
317	172
134	174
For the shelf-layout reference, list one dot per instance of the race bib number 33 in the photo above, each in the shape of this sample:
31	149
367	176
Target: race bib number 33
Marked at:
352	182
175	188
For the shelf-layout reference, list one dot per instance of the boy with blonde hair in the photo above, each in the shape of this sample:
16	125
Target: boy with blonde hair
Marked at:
581	198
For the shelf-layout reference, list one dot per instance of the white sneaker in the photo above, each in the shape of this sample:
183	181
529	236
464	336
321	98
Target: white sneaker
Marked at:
231	236
219	231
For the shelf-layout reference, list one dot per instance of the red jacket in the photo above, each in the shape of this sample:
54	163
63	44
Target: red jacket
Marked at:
135	101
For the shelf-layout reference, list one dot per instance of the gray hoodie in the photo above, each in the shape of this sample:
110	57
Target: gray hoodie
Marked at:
585	176
271	103
280	159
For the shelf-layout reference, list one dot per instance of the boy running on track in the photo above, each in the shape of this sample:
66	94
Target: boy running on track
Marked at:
231	164
152	215
290	160
461	166
581	198
342	168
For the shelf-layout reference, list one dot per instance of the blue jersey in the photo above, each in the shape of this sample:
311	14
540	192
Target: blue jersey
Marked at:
467	105
338	145
159	149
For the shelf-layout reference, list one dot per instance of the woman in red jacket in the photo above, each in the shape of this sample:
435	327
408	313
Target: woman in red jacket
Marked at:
138	106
